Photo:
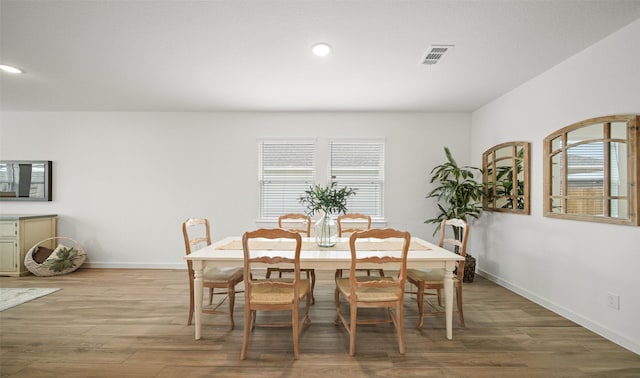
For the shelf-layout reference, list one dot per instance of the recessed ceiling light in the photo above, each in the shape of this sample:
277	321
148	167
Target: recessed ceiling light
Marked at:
10	69
321	49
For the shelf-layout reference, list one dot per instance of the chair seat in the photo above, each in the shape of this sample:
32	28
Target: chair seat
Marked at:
277	295
222	275
428	275
368	294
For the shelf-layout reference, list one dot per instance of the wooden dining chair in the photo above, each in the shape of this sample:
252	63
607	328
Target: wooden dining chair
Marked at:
453	236
350	223
275	294
374	292
300	223
197	234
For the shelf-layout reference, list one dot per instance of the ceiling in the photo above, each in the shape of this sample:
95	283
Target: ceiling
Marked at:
233	55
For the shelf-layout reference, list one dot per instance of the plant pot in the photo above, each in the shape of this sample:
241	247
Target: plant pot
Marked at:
469	269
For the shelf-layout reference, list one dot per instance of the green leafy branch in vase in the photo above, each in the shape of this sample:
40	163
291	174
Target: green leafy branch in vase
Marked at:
329	199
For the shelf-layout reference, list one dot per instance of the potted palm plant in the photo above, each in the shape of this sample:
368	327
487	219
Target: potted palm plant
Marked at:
459	196
330	200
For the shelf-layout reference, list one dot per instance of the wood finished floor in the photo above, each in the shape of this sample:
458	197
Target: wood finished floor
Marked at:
132	323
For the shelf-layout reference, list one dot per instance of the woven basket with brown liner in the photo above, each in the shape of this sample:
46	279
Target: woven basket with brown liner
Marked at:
43	262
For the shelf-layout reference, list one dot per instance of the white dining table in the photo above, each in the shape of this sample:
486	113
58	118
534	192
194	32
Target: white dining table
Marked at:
228	253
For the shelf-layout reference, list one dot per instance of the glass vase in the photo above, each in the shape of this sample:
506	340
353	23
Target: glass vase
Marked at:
326	230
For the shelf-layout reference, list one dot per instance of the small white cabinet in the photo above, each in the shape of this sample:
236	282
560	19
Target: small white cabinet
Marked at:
18	233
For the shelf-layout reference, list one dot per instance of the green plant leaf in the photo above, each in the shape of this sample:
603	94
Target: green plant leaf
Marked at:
458	194
65	259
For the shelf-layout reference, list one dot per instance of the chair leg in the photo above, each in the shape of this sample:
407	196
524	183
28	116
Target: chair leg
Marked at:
191	301
232	301
296	331
307	305
352	329
210	296
459	299
439	293
246	333
190	315
420	299
336	297
313	284
400	327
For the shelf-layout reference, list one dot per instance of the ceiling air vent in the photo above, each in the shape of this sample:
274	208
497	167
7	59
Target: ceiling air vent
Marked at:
436	53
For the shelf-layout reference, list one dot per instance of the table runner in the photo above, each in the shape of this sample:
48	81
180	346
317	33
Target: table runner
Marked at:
278	245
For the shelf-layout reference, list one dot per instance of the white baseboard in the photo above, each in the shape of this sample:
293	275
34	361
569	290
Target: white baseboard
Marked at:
588	324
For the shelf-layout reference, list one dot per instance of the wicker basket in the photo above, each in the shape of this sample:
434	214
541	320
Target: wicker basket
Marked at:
55	265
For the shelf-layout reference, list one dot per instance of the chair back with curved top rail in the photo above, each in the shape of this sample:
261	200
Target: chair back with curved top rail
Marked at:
349	223
352	222
374	292
277	294
300	223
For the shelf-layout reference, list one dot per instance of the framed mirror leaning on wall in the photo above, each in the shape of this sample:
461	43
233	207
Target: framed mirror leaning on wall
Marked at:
28	180
591	171
506	177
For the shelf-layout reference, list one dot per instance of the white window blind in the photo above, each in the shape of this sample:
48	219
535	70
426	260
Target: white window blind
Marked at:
360	165
585	165
287	169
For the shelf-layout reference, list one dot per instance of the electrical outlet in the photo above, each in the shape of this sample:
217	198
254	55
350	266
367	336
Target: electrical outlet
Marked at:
613	301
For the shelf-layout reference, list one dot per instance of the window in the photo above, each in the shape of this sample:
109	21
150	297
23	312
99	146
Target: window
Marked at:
287	169
591	169
360	164
506	176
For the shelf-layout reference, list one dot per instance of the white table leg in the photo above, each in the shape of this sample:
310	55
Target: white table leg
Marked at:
448	298
198	269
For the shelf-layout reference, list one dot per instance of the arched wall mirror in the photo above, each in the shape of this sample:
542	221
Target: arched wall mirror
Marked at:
591	171
506	177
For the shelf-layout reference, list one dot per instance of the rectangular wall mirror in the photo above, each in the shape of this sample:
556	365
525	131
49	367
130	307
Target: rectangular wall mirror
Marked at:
27	180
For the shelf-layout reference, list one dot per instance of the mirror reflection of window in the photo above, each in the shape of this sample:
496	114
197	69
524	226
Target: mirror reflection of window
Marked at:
506	177
590	170
25	180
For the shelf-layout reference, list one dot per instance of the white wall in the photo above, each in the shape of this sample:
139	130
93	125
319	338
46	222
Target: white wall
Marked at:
567	266
124	182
